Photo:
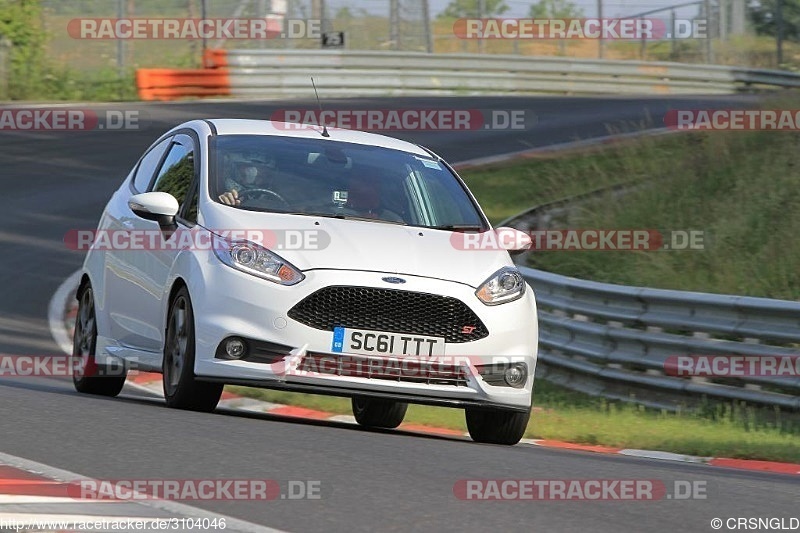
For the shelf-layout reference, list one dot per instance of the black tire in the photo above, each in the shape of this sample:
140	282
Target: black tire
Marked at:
371	412
182	390
497	426
87	376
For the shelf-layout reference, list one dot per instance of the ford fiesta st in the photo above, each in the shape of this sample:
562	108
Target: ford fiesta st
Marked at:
331	261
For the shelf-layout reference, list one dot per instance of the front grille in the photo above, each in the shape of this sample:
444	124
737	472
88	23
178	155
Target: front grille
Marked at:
409	371
389	310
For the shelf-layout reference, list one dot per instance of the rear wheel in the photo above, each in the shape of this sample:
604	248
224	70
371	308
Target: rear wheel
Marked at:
87	376
377	413
497	426
182	390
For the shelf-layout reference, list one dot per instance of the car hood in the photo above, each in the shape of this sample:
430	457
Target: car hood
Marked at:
360	245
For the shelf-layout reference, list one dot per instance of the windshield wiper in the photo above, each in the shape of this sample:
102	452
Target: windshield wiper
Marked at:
459	227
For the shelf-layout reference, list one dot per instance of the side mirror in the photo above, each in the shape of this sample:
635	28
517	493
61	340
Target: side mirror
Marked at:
159	206
513	240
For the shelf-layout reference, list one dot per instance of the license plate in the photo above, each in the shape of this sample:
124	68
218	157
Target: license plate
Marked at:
364	342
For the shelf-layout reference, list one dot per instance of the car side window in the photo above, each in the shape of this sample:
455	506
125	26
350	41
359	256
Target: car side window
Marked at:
177	172
147	166
190	215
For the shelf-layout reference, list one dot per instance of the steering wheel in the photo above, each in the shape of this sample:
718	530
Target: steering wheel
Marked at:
258	193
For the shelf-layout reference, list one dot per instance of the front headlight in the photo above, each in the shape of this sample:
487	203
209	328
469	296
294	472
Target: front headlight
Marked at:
505	285
258	261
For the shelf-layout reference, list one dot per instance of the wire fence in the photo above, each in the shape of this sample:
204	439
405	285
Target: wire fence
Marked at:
73	67
367	25
403	25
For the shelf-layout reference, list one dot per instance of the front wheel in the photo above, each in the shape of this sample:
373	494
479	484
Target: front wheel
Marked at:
376	413
87	376
497	426
182	390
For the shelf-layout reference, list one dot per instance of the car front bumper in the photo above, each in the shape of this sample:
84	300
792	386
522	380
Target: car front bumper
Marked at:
232	303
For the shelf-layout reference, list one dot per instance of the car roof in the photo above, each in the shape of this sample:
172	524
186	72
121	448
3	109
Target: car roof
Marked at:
232	126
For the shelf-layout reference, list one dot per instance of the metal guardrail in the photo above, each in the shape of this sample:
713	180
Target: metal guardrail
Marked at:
282	73
614	340
347	73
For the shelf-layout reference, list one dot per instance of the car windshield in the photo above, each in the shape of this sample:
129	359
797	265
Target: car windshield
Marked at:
337	179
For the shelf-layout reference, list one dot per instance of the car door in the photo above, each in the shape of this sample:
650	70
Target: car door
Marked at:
118	261
149	264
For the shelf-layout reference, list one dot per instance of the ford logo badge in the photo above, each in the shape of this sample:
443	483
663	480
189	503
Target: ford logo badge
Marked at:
392	279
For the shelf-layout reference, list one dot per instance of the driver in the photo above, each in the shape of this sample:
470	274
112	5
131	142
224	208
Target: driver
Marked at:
246	175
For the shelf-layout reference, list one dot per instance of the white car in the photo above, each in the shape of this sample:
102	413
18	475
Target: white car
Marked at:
327	261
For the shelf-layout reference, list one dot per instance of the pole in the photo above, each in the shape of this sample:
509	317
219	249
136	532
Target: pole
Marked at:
262	13
709	51
5	50
203	16
601	42
394	24
779	28
481	14
120	42
738	17
323	17
426	22
673	41
316	11
191	8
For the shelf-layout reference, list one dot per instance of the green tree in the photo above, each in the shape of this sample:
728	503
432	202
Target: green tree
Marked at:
471	8
21	23
344	13
763	16
561	9
556	9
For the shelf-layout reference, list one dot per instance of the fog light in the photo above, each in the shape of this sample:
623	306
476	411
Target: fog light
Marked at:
516	375
235	348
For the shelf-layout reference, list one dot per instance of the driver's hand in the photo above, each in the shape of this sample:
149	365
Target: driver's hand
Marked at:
230	198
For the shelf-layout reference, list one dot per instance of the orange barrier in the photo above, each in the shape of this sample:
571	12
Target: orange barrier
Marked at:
172	84
215	58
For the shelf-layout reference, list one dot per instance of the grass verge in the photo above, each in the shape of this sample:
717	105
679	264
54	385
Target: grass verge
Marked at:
740	189
574	417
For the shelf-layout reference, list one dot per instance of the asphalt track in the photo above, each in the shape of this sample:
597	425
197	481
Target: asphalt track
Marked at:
390	481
